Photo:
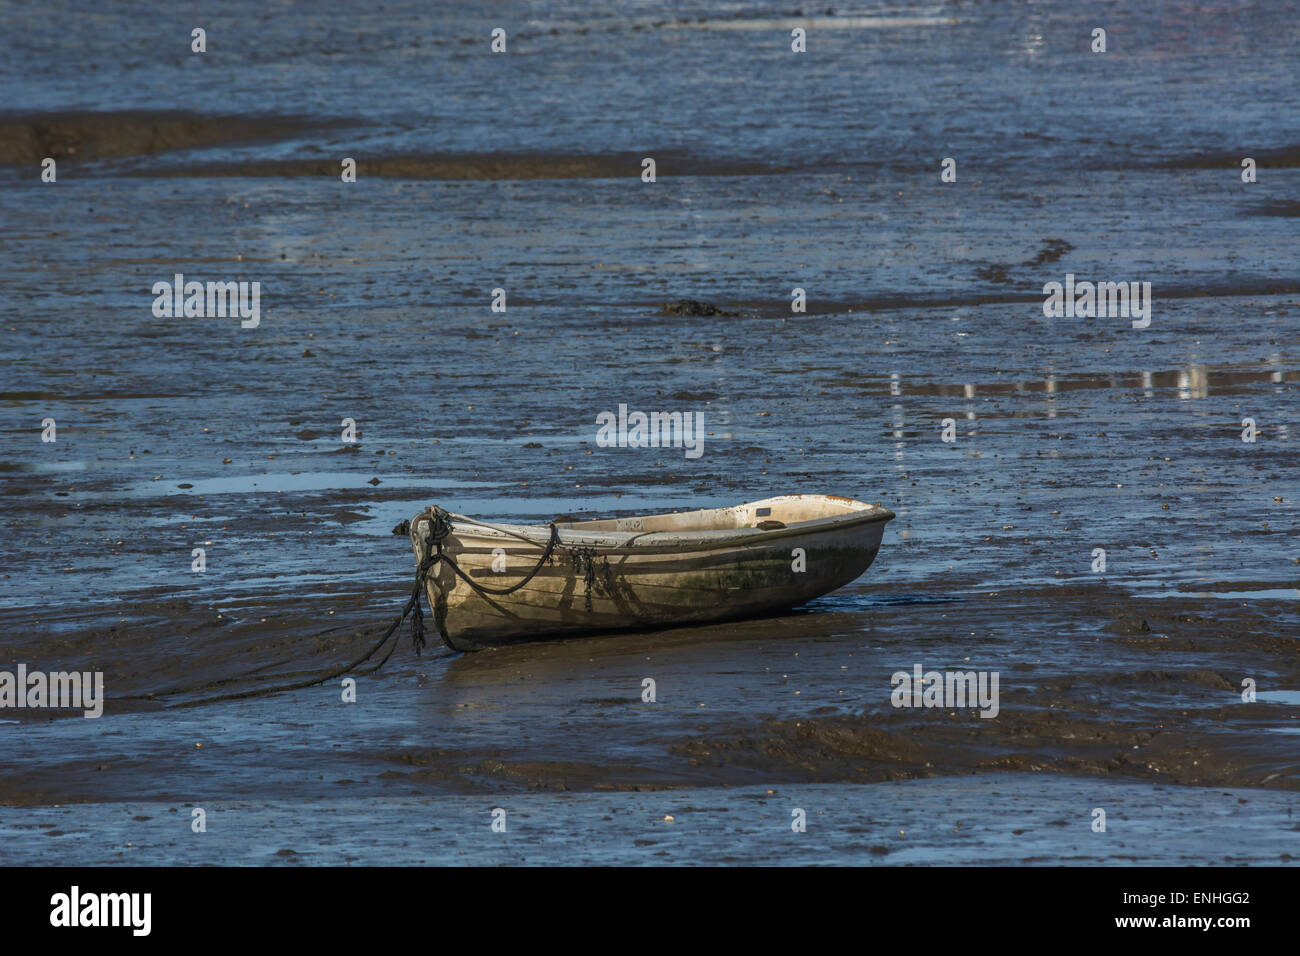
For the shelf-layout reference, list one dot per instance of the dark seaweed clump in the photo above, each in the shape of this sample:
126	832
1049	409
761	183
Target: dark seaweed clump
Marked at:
690	307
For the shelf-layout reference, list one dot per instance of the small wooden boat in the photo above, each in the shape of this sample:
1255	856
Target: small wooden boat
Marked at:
494	584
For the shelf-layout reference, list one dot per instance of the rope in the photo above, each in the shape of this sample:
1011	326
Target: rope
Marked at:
412	608
501	529
440	528
584	561
584	566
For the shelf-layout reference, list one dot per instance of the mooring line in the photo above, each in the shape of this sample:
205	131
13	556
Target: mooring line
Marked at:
432	554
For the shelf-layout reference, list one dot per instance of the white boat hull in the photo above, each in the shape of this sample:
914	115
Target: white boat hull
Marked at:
648	572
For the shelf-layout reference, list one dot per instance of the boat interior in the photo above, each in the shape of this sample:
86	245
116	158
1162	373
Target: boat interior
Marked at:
768	514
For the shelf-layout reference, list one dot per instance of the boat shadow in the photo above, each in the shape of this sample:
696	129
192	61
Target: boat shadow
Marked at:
829	618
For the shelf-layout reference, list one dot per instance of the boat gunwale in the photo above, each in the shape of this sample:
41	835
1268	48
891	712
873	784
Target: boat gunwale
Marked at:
680	541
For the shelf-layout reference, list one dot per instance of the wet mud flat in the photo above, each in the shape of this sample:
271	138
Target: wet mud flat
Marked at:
1120	688
987	820
1131	705
1070	437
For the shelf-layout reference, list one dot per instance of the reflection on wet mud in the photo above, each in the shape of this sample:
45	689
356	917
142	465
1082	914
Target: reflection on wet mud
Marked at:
1192	382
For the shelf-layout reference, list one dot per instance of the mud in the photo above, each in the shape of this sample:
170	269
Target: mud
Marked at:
488	166
1112	686
1120	686
994	820
81	137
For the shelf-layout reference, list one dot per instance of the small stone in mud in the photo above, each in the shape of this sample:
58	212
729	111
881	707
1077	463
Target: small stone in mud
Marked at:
307	434
285	852
308	353
690	307
1131	625
374	481
533	444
